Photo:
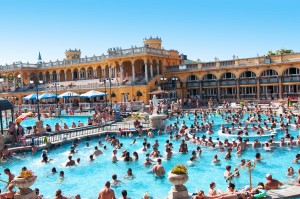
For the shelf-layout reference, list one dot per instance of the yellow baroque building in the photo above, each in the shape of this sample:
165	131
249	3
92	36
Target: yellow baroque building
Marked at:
133	73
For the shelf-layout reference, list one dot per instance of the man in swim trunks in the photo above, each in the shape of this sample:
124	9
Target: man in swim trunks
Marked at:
70	162
272	183
158	169
107	192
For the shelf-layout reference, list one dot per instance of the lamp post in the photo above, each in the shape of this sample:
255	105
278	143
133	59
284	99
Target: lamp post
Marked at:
56	99
104	81
163	78
1	81
110	93
37	82
175	79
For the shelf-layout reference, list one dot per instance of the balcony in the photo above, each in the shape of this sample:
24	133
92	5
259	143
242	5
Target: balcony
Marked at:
248	96
228	82
228	96
209	83
247	81
268	80
291	79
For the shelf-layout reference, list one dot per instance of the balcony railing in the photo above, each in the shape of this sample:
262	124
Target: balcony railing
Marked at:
248	96
247	81
193	84
228	82
291	79
267	80
209	83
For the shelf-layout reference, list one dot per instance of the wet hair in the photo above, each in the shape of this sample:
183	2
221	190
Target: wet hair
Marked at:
58	192
6	170
231	185
114	176
53	170
211	184
124	193
228	167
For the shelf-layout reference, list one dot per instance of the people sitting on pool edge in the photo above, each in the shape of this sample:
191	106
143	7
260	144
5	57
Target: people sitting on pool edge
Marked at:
272	183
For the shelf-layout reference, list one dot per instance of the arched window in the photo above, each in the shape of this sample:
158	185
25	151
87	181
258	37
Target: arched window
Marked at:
291	71
268	73
209	77
248	74
228	76
81	74
192	78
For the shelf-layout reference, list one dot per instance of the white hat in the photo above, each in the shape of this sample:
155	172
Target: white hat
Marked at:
247	188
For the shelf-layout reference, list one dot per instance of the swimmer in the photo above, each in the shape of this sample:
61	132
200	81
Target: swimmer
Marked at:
296	159
115	180
158	169
129	174
216	160
97	151
114	156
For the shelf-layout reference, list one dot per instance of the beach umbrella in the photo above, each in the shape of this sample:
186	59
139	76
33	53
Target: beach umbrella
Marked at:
30	97
68	94
47	95
92	93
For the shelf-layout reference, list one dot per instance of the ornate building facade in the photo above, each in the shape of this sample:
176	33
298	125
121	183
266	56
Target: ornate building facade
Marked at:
134	72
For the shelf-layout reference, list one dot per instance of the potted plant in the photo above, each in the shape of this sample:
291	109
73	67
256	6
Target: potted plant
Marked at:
24	181
178	176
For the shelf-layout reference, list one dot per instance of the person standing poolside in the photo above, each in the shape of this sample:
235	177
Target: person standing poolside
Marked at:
272	183
158	169
107	192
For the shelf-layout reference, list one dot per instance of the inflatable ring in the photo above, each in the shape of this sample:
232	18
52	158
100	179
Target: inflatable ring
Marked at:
261	194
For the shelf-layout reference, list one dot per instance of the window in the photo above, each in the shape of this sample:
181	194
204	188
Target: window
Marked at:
192	78
292	71
209	77
228	76
269	73
248	74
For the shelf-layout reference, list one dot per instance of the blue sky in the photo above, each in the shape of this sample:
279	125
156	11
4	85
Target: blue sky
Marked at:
201	29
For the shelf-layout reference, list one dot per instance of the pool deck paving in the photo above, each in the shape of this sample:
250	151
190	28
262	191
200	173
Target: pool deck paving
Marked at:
286	193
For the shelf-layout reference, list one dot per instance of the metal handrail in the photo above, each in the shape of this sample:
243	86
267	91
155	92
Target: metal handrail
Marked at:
248	165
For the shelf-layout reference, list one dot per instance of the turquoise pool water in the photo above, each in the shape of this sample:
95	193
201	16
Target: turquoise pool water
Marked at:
88	178
52	121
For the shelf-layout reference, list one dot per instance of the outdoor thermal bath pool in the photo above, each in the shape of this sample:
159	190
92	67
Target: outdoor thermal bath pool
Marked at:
88	178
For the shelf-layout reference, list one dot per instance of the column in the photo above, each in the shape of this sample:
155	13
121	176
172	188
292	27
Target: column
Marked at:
238	89
44	79
95	74
51	77
133	73
200	90
58	77
103	73
219	91
72	75
121	73
151	70
146	72
22	84
109	71
280	87
157	68
66	77
258	88
115	72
